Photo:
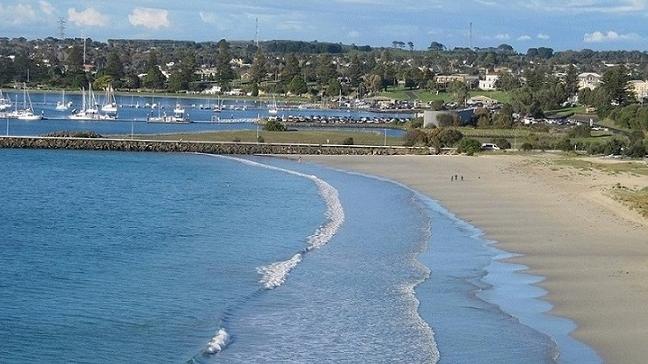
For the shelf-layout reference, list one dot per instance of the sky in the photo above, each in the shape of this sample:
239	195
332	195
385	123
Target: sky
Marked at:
559	24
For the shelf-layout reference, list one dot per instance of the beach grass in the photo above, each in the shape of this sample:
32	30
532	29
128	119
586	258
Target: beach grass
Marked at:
634	199
633	168
301	136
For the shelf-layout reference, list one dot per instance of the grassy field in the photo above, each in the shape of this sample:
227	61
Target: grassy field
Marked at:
565	112
427	96
306	137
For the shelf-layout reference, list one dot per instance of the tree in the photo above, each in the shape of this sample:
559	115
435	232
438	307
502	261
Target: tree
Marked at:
355	71
74	59
504	117
375	83
114	66
333	88
326	70
437	47
614	84
410	44
571	81
224	72
258	71
291	69
469	146
154	78
459	91
298	86
507	82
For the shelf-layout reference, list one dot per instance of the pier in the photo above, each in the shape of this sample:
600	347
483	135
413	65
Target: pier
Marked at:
180	146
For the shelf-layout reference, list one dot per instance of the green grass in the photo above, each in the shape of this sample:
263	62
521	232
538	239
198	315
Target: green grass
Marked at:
305	137
635	199
565	112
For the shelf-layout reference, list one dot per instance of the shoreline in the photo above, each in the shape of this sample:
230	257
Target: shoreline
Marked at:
592	257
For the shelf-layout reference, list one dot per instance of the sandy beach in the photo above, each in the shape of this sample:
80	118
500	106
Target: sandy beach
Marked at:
592	250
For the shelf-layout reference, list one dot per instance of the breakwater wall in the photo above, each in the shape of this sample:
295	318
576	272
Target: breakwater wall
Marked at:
140	145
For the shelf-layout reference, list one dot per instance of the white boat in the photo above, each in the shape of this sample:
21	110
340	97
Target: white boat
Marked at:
177	117
273	109
219	106
5	102
27	111
62	105
179	109
110	105
89	109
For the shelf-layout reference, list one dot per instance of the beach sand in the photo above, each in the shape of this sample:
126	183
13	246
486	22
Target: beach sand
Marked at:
592	250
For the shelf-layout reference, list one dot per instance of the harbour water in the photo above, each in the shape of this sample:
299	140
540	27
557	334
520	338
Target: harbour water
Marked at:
122	257
237	115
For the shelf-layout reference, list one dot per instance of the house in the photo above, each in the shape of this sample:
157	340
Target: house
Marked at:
443	81
589	80
640	89
488	83
482	100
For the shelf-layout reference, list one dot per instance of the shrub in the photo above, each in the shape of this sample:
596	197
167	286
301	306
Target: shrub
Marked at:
348	141
637	150
469	146
274	125
449	137
503	143
526	147
417	123
580	131
73	134
260	139
563	144
237	140
415	137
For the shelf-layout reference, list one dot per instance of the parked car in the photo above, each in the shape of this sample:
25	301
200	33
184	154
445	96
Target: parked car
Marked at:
489	146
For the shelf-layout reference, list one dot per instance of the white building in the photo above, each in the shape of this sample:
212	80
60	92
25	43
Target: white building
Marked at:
589	80
640	89
488	83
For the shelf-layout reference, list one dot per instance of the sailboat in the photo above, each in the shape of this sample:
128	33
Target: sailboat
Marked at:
89	109
219	105
5	102
110	106
62	105
179	117
27	111
273	109
179	109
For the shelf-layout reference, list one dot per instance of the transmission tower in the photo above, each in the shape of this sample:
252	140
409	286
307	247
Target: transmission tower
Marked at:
61	27
256	36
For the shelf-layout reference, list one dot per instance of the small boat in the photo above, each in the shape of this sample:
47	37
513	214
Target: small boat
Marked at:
62	105
27	112
5	102
273	109
89	110
179	117
110	106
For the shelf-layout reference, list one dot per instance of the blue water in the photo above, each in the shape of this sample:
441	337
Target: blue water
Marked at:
122	257
134	119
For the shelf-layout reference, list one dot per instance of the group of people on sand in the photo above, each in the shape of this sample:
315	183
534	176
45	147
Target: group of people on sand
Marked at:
455	178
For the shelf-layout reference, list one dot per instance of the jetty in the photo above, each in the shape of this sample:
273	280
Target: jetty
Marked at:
180	146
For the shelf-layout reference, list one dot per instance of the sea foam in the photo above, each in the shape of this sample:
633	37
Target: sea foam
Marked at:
274	275
218	343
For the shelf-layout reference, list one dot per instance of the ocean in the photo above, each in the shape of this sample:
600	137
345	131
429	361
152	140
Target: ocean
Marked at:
181	258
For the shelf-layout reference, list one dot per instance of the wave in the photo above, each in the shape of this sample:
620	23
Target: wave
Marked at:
218	343
275	274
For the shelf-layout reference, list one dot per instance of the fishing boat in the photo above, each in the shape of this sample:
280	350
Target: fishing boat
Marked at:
62	105
110	106
5	102
89	109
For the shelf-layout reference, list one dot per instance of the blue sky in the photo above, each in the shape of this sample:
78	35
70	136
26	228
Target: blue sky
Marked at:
560	24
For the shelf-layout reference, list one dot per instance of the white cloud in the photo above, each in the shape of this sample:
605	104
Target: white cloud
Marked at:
610	36
207	17
150	18
502	36
524	38
90	17
353	34
46	7
17	14
588	6
543	36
